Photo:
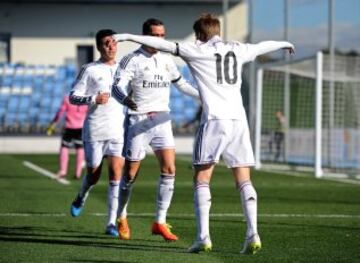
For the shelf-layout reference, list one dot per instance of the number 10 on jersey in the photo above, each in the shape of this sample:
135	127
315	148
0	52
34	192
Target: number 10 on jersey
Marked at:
223	65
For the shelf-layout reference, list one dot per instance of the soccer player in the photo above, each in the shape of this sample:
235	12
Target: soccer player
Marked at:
103	132
148	75
71	136
216	67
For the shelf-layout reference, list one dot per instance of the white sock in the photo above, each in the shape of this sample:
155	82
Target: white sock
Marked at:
124	196
165	192
202	203
249	203
113	202
85	188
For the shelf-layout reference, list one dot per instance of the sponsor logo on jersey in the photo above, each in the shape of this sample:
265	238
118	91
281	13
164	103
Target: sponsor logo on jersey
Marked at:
157	82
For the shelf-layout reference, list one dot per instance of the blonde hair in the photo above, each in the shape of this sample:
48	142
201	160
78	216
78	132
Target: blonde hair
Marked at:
206	26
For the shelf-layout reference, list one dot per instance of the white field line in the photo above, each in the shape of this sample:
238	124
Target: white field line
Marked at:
185	215
45	172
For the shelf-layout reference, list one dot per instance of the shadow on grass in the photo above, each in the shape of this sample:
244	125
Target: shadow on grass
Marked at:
28	234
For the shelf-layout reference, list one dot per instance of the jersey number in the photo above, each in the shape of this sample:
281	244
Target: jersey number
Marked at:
220	64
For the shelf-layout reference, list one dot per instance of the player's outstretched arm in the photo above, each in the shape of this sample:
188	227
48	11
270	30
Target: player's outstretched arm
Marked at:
186	87
154	42
264	47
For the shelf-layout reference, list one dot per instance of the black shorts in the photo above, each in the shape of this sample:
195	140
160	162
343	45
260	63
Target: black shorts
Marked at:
71	138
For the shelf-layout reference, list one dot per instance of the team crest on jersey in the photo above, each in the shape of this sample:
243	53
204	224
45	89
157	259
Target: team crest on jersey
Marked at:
146	68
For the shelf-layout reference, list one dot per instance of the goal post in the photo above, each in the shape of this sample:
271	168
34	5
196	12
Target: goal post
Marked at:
318	117
315	120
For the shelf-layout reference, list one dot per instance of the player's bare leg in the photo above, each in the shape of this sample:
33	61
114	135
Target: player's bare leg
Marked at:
249	203
202	204
165	190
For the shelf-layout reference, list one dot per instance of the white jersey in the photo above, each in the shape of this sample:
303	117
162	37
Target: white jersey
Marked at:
103	122
148	78
216	66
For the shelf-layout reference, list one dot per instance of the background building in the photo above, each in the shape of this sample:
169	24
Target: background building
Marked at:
51	32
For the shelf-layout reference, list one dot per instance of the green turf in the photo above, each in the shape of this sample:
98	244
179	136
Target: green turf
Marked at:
35	225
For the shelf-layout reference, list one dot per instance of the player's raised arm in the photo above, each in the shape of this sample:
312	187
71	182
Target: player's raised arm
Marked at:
154	42
254	50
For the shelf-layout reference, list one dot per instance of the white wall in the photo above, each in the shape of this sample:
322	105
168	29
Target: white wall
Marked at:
49	33
44	144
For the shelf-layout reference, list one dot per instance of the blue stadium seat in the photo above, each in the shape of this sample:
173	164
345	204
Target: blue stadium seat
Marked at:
44	118
185	71
33	111
174	92
176	104
7	80
39	79
28	81
56	102
22	118
36	96
68	84
2	112
71	71
45	103
48	89
58	89
13	103
4	98
10	119
61	73
24	104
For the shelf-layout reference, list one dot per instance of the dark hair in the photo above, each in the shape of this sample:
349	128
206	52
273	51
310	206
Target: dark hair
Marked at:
146	29
206	27
103	33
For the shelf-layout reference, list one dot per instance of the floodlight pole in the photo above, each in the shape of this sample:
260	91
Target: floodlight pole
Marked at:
331	83
286	79
252	73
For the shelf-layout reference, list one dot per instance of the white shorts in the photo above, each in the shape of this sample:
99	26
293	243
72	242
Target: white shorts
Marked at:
152	129
227	138
95	151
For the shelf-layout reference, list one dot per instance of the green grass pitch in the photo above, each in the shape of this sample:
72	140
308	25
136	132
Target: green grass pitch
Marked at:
301	219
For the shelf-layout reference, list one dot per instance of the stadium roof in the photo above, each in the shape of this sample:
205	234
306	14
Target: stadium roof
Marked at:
121	1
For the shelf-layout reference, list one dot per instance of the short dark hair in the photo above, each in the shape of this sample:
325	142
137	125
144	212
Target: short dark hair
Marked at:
103	33
146	29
